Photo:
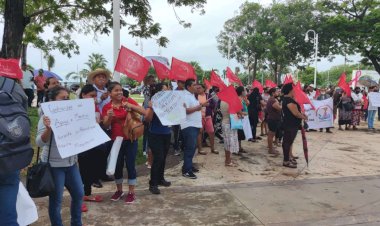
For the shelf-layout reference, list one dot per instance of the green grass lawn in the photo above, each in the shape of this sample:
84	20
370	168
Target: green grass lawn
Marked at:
139	99
33	116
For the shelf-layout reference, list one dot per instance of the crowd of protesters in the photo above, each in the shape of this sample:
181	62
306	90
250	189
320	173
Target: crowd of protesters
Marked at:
207	118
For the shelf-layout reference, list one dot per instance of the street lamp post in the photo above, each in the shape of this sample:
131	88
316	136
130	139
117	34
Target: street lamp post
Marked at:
316	53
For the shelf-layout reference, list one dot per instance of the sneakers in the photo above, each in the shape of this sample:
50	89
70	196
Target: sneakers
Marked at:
289	164
190	175
130	198
194	170
177	152
117	196
154	190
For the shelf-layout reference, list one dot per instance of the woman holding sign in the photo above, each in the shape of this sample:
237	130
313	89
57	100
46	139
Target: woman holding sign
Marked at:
159	143
114	114
65	171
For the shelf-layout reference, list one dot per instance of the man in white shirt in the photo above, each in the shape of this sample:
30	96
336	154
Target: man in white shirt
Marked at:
190	127
27	83
371	109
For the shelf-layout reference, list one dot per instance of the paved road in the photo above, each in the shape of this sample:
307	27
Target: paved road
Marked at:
339	201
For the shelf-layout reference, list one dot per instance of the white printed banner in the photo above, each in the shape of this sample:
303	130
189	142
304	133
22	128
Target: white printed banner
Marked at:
169	107
374	99
322	116
74	125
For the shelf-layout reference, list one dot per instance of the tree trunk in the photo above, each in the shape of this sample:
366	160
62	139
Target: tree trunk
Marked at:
375	62
254	69
24	53
14	26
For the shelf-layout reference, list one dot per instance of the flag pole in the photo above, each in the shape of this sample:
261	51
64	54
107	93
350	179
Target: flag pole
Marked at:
116	36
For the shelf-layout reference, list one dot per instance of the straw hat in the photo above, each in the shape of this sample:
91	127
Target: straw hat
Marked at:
96	72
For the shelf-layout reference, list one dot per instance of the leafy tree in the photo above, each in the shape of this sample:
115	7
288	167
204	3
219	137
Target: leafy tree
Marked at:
198	70
355	25
25	22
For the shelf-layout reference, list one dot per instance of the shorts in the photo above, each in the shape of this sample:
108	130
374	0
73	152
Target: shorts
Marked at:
207	124
273	125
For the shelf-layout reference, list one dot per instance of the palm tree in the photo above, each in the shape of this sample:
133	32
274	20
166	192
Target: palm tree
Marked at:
50	61
78	75
96	60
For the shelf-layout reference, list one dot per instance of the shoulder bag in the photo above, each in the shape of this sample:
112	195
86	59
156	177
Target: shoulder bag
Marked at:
39	178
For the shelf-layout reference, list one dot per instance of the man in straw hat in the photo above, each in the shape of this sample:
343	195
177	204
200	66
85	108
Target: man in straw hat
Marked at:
99	79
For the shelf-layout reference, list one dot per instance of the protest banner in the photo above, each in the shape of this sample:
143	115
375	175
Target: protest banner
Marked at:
374	99
169	107
25	207
74	126
322	115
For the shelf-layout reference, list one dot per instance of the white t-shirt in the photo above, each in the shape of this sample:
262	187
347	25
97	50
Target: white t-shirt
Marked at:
27	79
194	119
358	98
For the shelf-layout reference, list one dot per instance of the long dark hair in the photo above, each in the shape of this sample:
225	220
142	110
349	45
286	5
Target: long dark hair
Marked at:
112	85
53	92
86	89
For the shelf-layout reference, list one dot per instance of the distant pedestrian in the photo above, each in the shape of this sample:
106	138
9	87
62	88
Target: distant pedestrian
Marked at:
27	83
40	81
273	109
345	107
323	96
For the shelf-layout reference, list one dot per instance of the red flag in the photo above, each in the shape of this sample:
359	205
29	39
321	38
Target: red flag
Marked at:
230	96
356	78
317	93
215	80
344	85
301	97
258	85
207	83
10	68
270	84
132	64
162	71
288	79
182	71
232	78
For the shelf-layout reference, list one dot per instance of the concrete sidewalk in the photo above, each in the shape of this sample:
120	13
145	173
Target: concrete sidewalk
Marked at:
339	201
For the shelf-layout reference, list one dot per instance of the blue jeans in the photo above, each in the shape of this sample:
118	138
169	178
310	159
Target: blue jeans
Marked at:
9	184
190	135
127	154
70	178
371	118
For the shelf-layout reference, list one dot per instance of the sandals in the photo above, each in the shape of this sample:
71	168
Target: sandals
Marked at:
84	208
96	198
215	152
231	164
202	152
289	164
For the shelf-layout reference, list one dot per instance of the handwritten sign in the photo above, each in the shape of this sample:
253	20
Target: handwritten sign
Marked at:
74	126
169	107
374	99
322	116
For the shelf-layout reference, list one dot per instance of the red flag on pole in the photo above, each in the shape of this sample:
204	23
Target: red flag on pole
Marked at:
230	96
288	79
132	64
215	80
270	83
301	97
258	85
182	71
162	71
344	85
232	78
207	84
10	68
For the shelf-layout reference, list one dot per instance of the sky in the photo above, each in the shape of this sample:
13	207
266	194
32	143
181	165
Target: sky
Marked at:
197	43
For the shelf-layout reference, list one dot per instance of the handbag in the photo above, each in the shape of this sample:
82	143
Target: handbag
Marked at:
133	126
39	178
236	122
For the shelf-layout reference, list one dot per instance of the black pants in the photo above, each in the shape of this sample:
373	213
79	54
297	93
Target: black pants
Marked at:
145	138
40	96
177	137
254	120
289	136
89	167
159	144
30	94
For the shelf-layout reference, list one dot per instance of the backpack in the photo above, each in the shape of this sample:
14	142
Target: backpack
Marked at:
16	151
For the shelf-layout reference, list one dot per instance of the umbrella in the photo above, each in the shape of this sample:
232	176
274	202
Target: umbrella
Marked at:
304	143
48	74
367	81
